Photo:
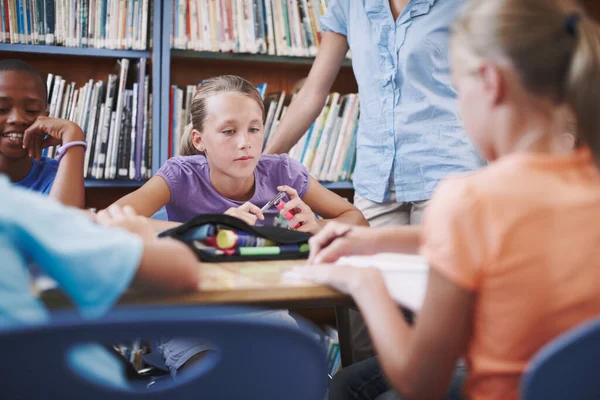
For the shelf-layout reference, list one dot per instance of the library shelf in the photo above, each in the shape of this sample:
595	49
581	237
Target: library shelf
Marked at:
246	57
73	51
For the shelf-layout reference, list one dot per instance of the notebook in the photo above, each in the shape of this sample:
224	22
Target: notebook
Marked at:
405	275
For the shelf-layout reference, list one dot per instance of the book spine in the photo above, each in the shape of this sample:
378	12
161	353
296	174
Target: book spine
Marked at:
170	141
20	21
83	37
145	132
130	22
145	14
137	25
93	165
33	26
110	96
90	132
13	17
121	159
2	23
60	97
26	21
41	21
119	112
141	117
150	139
122	24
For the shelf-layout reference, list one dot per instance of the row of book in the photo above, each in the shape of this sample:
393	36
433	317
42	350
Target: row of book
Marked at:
111	24
116	118
275	27
328	148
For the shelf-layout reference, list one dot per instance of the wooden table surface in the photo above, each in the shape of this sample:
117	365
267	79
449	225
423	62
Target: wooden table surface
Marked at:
249	283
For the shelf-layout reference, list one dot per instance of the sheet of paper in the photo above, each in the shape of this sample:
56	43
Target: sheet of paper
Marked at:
405	275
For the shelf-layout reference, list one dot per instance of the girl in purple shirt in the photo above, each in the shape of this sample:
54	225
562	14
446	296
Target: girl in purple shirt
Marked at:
223	171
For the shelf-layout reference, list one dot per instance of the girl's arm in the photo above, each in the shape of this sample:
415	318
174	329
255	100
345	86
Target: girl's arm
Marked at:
330	206
419	361
338	240
310	99
148	199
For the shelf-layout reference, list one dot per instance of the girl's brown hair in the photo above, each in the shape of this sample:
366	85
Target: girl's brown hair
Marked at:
210	87
554	47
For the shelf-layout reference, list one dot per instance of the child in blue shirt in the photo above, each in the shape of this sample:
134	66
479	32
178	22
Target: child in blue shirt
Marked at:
93	264
25	130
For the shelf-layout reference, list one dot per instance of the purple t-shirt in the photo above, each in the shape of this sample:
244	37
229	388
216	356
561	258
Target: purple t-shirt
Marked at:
192	193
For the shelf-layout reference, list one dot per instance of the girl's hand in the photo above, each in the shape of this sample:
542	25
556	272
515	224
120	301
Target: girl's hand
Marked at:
247	212
46	132
348	280
303	215
336	240
125	217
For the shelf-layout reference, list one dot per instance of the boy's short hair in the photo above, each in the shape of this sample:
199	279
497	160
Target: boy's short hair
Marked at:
21	66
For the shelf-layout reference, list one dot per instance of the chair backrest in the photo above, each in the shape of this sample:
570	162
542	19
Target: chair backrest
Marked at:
256	358
566	368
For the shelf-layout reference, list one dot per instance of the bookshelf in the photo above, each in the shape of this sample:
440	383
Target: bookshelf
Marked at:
80	64
185	67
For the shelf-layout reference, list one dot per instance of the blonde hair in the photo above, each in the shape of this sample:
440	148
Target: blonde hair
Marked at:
554	47
211	87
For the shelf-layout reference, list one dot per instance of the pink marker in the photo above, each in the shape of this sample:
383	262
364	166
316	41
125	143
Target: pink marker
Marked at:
278	203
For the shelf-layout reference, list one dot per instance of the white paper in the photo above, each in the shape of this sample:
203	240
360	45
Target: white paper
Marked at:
405	275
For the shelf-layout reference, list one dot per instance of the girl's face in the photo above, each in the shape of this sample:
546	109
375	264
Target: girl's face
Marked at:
232	136
474	103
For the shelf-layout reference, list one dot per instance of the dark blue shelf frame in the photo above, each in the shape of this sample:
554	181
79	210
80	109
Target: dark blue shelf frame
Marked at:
342	185
93	183
74	51
247	57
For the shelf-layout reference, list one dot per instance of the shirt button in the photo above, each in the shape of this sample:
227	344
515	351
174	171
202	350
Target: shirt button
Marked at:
390	133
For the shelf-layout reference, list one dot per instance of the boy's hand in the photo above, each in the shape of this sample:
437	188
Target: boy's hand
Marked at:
125	217
303	215
46	131
247	212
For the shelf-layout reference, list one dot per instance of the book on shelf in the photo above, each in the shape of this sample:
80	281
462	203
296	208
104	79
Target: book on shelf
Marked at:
110	24
274	27
328	148
115	116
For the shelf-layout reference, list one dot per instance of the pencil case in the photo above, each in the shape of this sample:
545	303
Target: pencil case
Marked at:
291	245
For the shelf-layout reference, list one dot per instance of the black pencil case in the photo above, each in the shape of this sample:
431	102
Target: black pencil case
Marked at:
196	229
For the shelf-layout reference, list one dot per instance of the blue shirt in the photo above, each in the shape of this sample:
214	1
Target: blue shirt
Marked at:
409	124
92	264
41	176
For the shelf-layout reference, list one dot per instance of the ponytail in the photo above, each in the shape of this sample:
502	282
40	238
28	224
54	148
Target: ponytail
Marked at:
186	146
582	90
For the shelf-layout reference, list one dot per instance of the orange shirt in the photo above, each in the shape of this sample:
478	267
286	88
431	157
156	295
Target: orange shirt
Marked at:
524	235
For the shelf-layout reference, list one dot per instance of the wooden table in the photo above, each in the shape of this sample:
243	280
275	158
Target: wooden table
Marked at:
253	283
